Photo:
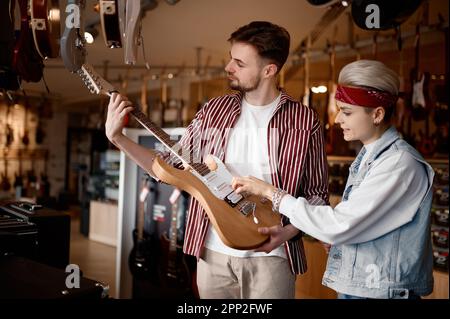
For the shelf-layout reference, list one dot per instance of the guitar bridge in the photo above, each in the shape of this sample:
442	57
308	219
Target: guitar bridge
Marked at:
246	207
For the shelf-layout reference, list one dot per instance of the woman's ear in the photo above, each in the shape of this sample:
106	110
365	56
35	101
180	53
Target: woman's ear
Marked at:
378	115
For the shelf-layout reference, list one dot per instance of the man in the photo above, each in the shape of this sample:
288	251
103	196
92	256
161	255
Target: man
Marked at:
257	131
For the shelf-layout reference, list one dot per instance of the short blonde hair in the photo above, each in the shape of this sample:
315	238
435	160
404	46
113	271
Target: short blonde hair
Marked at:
370	73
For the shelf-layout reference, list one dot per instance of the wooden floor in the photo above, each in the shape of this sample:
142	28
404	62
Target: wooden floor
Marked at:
97	261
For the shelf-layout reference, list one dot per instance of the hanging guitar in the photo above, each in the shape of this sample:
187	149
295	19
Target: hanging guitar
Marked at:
132	31
18	181
110	23
236	217
73	51
26	132
9	79
426	144
331	112
306	89
5	184
45	24
174	271
9	132
26	60
418	103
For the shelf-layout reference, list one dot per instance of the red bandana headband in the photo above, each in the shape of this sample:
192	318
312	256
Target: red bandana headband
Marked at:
365	97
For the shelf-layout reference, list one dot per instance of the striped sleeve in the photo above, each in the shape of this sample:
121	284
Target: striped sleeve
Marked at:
315	178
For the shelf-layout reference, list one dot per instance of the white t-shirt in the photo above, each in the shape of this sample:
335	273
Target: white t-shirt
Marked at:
247	154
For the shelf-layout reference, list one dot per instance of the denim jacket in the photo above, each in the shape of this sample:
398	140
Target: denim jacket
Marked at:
397	263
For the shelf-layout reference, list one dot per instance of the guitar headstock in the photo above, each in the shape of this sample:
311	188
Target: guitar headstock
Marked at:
94	82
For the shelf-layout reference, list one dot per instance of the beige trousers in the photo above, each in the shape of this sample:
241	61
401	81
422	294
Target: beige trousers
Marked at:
221	276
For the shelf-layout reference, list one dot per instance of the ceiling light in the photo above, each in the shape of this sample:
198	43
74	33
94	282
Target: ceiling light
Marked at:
90	34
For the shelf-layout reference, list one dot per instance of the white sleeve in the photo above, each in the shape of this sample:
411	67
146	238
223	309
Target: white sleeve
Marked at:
388	197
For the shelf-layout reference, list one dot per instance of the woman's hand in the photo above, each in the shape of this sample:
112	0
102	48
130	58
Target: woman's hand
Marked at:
252	185
118	109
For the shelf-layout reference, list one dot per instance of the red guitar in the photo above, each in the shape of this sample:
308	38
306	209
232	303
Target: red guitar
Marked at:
45	24
26	60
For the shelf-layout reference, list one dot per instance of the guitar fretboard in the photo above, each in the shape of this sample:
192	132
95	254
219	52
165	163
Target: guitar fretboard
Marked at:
164	138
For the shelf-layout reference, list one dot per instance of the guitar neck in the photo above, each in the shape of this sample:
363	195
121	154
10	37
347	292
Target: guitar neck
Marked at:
164	138
140	223
173	228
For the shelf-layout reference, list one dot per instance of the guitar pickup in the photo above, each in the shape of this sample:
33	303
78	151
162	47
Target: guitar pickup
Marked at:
232	199
247	207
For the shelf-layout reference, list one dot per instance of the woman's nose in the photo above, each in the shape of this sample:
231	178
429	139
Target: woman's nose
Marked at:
337	119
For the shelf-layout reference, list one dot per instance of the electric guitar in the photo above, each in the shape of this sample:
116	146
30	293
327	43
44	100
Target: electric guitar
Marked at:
132	31
175	273
26	132
26	60
236	217
45	24
110	23
306	88
5	184
73	51
139	259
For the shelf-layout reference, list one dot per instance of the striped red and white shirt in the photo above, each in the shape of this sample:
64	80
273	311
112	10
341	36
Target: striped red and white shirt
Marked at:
296	157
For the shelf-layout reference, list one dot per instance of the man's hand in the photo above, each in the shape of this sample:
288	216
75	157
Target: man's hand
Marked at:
278	235
252	185
118	109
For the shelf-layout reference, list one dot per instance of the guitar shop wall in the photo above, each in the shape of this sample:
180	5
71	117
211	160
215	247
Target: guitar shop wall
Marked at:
33	168
411	121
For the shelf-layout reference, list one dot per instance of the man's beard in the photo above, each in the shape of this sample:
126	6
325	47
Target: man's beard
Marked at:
251	86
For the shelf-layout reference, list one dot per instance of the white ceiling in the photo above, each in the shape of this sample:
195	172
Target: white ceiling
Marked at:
173	32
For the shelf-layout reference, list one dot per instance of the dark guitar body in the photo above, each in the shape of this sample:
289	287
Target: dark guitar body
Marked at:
26	60
113	38
176	277
141	262
46	33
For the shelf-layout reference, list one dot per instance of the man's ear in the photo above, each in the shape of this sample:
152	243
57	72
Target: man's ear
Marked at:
270	70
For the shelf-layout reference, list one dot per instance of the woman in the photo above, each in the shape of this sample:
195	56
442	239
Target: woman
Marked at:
380	232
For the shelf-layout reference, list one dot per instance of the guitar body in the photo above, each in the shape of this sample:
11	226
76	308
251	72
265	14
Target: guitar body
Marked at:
418	100
45	23
132	26
5	184
109	19
175	275
73	52
26	60
139	260
8	78
234	228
